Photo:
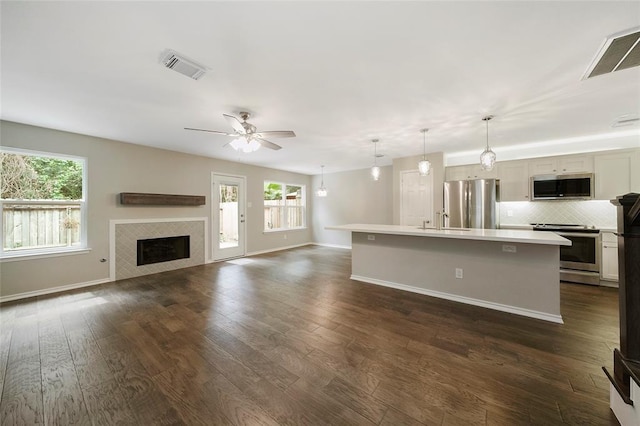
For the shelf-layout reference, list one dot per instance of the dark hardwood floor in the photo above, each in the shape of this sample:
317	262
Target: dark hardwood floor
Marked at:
288	339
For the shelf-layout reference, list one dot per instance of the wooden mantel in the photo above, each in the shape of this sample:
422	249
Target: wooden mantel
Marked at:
143	199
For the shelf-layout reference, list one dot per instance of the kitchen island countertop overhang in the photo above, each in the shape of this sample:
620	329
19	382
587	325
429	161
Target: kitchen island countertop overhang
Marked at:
502	235
515	271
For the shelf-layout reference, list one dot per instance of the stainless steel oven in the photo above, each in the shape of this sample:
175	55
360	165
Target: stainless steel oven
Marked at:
579	262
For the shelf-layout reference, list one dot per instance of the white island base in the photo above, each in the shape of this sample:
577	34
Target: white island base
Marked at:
464	266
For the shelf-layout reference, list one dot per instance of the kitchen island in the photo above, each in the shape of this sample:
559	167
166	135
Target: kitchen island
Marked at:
515	271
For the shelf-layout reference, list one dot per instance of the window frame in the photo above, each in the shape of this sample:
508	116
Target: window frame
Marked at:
82	203
284	208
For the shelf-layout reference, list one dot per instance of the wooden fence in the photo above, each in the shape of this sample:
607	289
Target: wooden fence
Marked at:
27	226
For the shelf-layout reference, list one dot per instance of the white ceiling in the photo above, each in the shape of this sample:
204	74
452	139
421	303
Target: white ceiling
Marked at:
337	73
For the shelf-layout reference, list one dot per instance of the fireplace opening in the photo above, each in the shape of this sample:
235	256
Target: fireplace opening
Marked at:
156	250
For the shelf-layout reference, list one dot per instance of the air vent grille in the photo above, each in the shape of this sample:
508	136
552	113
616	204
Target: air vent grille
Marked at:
183	65
619	51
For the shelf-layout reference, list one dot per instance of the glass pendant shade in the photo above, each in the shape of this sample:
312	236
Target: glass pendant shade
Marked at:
375	172
322	191
488	157
424	167
245	145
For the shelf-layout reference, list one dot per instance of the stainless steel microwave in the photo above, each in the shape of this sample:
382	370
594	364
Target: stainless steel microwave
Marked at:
577	186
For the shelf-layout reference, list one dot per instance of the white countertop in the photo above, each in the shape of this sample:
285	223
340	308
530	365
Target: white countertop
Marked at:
504	235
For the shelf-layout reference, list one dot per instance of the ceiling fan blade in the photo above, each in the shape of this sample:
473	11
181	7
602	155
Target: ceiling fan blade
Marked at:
276	134
267	144
211	131
235	123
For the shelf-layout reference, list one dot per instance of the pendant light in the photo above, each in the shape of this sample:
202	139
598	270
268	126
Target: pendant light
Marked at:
488	157
424	166
322	191
375	170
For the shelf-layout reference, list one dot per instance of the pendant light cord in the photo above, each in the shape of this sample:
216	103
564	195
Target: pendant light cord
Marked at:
487	121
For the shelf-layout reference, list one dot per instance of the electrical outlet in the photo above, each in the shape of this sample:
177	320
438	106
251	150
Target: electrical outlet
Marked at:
371	237
510	213
285	236
459	273
249	204
509	248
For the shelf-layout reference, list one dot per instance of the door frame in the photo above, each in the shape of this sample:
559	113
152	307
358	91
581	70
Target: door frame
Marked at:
215	224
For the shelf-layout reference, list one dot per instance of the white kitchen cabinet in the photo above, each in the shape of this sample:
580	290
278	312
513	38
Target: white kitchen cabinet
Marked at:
561	165
471	171
456	173
609	267
514	180
612	175
576	164
543	166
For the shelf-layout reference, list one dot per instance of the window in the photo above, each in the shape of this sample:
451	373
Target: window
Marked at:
284	206
43	202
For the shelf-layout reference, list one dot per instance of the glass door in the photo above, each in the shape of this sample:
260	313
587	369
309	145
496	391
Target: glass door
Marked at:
228	217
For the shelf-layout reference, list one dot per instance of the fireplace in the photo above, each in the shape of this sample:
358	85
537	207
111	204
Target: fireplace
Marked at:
125	234
156	250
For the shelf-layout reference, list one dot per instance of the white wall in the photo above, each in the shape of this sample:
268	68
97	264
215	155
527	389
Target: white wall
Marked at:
353	197
115	167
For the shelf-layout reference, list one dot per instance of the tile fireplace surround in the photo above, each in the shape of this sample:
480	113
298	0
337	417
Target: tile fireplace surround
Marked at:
124	235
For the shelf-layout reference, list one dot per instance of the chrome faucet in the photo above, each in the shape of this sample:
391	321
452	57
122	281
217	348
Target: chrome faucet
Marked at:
440	219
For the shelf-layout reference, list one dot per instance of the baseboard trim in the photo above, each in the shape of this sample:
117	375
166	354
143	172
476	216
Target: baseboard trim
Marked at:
255	253
332	246
51	290
461	299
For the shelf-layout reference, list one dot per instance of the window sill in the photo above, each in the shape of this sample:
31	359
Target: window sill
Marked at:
274	231
15	257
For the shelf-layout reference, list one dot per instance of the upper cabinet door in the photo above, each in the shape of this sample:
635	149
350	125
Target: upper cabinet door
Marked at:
514	181
561	165
543	166
576	164
456	173
613	175
472	171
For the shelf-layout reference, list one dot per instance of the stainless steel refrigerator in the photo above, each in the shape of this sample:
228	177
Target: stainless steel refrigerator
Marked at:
472	203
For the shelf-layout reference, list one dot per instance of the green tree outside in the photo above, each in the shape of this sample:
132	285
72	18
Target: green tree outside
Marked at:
26	177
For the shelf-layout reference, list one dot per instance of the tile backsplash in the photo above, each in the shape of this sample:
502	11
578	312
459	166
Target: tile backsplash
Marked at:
600	213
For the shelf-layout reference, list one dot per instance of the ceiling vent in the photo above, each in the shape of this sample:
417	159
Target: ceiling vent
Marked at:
618	52
626	120
180	63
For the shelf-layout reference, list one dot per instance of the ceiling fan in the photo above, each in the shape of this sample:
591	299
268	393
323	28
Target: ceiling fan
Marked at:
246	137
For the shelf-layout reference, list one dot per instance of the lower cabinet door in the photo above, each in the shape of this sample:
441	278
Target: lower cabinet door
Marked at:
609	261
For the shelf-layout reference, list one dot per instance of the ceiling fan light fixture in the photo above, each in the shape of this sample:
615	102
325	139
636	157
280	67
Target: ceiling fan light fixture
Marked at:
424	166
488	157
245	145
